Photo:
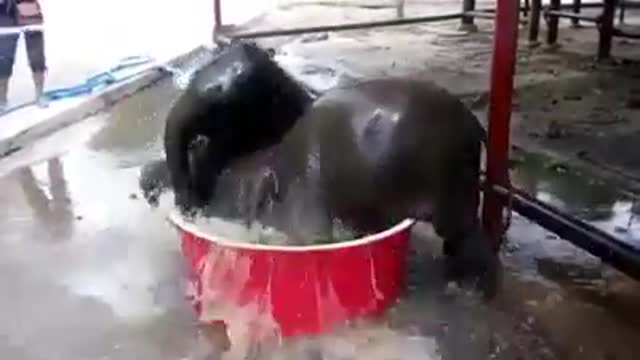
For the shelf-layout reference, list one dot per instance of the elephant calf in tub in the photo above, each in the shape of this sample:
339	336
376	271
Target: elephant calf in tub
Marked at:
371	153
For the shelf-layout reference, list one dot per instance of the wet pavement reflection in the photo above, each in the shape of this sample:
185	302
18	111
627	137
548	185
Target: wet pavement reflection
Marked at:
89	271
569	293
53	213
582	195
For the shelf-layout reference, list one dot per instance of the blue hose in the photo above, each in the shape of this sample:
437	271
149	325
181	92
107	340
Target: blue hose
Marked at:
94	82
100	80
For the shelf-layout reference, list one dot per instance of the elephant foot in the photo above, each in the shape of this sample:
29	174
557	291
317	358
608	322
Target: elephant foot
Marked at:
450	248
474	266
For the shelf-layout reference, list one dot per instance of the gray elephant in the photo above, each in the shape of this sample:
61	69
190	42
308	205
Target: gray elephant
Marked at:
369	154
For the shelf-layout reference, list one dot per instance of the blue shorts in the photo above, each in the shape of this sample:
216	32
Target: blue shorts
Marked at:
35	52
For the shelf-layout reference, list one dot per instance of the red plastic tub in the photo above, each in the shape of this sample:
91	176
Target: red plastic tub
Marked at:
293	290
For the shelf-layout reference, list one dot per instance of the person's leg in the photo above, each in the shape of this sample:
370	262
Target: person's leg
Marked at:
37	61
8	45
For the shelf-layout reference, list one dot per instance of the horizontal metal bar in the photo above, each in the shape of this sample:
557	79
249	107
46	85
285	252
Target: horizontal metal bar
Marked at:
597	242
481	14
346	26
591	5
617	32
493	10
572	15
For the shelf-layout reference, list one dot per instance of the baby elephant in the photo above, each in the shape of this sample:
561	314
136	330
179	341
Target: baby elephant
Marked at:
374	152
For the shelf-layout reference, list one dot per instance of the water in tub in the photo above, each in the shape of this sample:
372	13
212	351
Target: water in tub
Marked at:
259	233
235	213
293	222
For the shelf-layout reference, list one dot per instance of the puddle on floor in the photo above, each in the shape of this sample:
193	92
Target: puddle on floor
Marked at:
580	194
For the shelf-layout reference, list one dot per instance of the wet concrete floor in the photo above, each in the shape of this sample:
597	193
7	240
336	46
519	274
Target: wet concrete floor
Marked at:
579	193
88	271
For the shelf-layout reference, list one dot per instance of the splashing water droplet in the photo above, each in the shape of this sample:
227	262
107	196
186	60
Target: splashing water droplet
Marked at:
182	79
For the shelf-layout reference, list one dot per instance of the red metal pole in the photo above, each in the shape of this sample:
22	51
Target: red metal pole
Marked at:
505	43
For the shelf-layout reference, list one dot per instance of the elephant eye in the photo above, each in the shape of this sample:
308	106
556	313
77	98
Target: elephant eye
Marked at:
199	142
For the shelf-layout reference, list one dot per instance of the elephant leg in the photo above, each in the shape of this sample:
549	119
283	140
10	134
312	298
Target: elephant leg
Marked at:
204	175
470	256
260	193
456	217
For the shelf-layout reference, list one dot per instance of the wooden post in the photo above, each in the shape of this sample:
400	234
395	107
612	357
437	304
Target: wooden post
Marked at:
553	22
623	8
534	21
605	25
577	4
467	23
400	8
217	13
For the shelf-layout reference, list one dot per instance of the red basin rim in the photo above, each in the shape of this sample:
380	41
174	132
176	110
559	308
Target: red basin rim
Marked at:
176	219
